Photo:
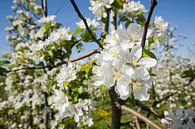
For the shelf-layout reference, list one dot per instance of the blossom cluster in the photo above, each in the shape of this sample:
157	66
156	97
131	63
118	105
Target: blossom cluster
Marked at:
181	119
125	67
99	7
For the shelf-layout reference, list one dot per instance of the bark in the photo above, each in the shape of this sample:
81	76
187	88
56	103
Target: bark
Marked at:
116	111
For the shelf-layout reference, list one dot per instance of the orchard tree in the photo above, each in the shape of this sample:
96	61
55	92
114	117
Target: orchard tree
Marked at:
117	85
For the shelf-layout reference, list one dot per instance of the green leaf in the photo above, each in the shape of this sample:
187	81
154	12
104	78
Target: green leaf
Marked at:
3	71
188	73
58	25
78	30
148	53
4	62
86	37
122	19
141	20
118	4
79	47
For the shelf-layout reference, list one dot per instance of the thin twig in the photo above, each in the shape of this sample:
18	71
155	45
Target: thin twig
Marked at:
152	6
148	109
140	116
44	7
85	55
90	53
85	22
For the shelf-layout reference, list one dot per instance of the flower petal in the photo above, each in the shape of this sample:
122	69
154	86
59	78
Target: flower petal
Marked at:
147	62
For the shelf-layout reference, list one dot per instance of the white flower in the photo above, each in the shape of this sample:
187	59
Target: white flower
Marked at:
47	19
98	7
160	23
122	60
132	7
62	33
67	74
91	23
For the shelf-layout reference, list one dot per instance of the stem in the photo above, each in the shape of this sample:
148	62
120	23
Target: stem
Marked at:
152	6
85	22
140	116
44	8
116	110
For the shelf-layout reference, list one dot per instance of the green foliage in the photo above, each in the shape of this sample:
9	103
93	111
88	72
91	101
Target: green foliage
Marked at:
148	53
86	36
189	73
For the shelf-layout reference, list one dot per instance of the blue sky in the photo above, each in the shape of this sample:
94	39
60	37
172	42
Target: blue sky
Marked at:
178	13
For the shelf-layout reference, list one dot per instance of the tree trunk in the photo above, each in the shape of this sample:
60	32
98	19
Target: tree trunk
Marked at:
116	111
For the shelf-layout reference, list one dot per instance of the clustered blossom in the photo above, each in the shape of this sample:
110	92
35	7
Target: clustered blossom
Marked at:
79	111
67	74
51	19
162	29
54	38
98	7
125	67
93	24
181	119
132	7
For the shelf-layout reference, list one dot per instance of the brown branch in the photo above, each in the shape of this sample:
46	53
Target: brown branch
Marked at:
85	55
85	22
140	116
152	6
148	109
116	110
90	53
44	7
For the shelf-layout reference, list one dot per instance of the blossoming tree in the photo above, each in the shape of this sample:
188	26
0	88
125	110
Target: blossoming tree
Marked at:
46	88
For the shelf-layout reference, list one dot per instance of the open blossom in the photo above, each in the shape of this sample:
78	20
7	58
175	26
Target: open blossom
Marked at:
62	33
132	7
47	19
98	7
93	24
126	70
162	29
161	24
67	74
55	36
79	111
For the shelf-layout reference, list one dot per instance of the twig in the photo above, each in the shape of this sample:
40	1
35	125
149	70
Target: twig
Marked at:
85	55
90	53
85	22
148	109
152	6
140	116
44	7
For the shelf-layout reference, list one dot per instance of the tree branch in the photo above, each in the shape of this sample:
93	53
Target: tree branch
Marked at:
152	6
85	22
44	7
140	116
148	109
90	53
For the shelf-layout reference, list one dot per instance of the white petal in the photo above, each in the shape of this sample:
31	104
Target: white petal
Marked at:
130	72
123	91
147	62
136	51
142	73
141	94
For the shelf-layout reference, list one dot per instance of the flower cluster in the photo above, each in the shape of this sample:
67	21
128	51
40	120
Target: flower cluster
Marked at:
98	7
93	24
181	119
132	7
125	67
